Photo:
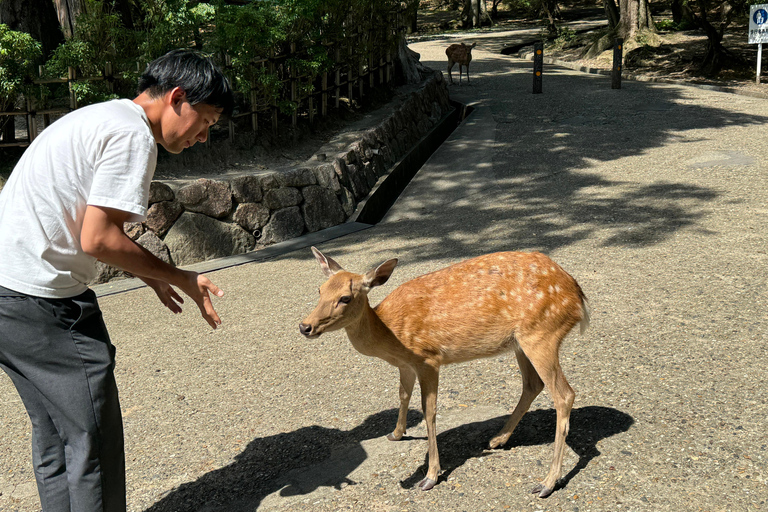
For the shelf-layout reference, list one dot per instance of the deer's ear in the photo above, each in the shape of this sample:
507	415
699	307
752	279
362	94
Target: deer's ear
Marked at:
327	265
380	274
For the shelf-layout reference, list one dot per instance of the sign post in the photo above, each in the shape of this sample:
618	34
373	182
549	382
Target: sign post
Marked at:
758	31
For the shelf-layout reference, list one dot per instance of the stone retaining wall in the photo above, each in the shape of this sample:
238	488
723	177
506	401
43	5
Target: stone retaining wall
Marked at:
209	219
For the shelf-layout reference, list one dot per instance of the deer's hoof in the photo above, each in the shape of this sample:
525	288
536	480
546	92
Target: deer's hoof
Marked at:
498	441
393	437
542	491
426	484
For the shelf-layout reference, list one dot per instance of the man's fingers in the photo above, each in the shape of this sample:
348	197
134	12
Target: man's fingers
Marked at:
174	294
209	313
215	290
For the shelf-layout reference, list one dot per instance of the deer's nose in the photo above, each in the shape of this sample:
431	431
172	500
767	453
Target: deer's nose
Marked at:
305	329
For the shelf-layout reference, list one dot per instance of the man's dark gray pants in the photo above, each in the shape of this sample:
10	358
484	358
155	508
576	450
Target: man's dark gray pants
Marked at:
59	356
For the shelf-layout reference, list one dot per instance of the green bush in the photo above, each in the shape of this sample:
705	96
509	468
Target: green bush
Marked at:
19	53
239	36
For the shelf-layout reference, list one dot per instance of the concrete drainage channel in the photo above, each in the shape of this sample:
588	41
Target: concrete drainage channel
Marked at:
369	211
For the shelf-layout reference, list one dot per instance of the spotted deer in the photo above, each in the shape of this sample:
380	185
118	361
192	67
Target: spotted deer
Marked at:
460	54
506	301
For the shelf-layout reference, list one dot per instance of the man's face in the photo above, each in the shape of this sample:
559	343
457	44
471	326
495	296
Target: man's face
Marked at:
184	124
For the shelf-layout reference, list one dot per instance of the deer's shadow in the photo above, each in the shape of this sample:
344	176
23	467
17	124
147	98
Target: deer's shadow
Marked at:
588	426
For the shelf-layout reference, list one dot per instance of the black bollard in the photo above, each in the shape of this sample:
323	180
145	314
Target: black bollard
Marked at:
618	48
538	66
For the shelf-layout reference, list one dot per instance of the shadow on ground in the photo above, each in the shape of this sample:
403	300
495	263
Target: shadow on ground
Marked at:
589	425
277	463
261	468
536	169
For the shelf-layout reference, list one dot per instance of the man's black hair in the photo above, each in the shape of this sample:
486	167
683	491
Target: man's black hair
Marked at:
196	74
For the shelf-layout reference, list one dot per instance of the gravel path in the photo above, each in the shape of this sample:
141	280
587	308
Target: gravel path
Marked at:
652	197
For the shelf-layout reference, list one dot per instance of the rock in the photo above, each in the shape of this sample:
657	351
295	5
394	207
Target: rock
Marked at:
251	216
340	168
196	237
162	215
321	208
159	191
246	189
153	244
212	198
134	230
105	273
284	225
348	203
282	197
296	178
269	181
357	180
370	175
327	178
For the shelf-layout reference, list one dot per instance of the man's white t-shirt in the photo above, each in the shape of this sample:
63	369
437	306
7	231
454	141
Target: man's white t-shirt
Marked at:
101	155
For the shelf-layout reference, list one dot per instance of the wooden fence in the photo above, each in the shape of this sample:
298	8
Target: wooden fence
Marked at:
352	75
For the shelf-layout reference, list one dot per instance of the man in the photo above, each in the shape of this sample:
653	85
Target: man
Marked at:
62	209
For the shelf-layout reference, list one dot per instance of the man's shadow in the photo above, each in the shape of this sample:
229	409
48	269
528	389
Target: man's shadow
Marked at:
588	425
294	463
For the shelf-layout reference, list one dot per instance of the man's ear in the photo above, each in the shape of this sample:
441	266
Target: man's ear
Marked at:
177	96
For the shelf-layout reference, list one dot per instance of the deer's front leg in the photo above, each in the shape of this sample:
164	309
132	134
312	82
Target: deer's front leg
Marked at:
428	378
407	380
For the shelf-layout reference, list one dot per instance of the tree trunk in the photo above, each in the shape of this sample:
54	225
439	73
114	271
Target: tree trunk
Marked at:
635	17
474	14
35	17
552	11
677	11
411	14
411	69
612	13
67	12
717	55
484	16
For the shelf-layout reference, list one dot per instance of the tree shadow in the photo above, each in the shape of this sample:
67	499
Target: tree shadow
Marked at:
532	186
277	463
589	425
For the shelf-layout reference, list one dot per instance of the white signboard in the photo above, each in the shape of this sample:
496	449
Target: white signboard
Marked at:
758	23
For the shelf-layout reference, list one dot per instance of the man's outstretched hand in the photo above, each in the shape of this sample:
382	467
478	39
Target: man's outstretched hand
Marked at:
198	287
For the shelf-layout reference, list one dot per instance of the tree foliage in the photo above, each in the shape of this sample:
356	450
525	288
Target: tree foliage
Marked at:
19	53
239	35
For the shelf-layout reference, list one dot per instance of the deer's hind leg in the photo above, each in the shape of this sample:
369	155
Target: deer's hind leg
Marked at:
407	380
450	67
544	356
428	378
532	386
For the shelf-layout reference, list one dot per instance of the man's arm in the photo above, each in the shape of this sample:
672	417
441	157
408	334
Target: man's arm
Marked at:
103	238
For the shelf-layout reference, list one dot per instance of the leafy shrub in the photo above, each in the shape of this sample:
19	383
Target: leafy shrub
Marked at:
19	53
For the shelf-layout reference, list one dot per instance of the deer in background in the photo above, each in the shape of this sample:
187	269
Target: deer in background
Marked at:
460	54
507	301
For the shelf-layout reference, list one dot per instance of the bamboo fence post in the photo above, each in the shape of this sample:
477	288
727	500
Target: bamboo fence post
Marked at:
294	101
350	74
337	79
360	65
71	75
274	100
324	97
31	122
46	117
109	77
254	114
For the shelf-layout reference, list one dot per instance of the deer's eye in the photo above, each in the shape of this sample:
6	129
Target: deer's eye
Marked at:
345	299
